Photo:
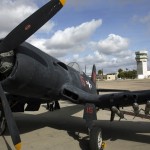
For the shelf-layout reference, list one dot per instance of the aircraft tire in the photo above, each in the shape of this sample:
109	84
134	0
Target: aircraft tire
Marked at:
96	140
3	125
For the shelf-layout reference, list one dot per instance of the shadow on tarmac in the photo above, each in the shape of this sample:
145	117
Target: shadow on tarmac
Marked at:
83	142
63	120
7	145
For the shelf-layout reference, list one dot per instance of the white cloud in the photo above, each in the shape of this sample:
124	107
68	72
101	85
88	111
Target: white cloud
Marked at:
47	28
110	54
113	52
113	44
56	52
13	12
73	35
116	51
71	39
143	19
39	43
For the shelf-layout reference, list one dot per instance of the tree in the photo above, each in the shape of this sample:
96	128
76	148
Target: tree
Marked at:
128	74
121	75
120	70
134	74
100	72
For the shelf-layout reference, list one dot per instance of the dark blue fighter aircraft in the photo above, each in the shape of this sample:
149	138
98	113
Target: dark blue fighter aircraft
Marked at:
30	76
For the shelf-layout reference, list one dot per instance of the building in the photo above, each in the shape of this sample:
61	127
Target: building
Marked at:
111	76
141	59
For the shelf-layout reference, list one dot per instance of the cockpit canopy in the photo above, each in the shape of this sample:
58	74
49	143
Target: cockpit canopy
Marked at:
75	66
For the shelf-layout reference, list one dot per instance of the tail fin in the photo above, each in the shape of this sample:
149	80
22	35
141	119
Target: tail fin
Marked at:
93	75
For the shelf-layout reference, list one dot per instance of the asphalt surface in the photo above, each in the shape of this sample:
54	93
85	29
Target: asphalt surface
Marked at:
64	129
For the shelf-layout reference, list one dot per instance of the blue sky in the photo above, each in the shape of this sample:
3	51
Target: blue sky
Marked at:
102	32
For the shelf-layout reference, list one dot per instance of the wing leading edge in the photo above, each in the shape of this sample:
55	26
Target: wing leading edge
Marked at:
121	99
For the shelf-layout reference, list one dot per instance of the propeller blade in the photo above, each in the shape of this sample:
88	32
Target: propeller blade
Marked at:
14	132
30	25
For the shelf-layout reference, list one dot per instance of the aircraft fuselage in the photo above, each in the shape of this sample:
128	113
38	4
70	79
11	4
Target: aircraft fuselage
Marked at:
38	75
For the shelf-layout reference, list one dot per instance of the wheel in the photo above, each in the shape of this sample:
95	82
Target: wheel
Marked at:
2	124
96	141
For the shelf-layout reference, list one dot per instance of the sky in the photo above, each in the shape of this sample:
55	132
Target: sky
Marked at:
106	33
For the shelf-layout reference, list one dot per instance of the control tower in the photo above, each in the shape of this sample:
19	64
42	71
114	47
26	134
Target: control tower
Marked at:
141	59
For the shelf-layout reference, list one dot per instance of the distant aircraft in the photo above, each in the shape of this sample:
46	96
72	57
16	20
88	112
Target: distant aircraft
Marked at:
30	76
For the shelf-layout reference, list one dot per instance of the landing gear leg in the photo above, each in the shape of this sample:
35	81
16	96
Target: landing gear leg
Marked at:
95	133
2	123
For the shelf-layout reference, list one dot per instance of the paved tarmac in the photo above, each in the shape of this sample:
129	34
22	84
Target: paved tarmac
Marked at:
44	130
